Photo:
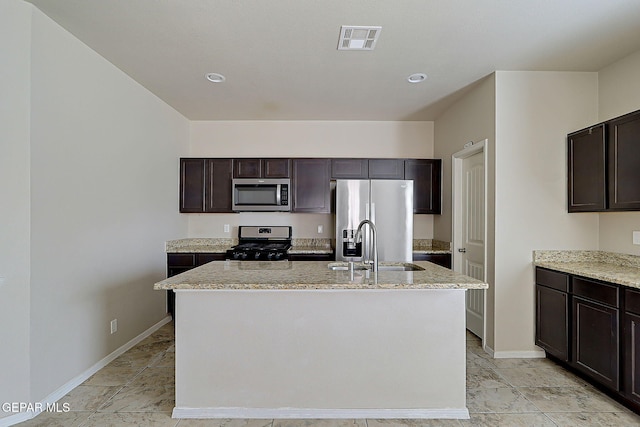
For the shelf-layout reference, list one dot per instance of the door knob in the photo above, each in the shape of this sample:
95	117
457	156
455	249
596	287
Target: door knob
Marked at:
462	250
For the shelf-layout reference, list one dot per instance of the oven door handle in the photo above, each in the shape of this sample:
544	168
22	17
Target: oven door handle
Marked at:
278	194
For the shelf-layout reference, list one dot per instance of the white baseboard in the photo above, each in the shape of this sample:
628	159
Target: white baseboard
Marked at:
529	354
70	385
306	413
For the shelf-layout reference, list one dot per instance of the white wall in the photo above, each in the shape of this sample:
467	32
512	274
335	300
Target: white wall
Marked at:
92	190
470	119
619	88
534	113
526	117
304	139
15	36
619	93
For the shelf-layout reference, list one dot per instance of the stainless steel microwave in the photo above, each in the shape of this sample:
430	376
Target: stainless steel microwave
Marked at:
261	194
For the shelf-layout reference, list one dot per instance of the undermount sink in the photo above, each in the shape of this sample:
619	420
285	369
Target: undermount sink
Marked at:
383	266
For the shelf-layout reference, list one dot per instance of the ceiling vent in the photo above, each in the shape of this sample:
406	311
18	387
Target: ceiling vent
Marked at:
358	37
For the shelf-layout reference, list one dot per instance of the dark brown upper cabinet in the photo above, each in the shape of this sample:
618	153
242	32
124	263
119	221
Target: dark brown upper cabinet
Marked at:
387	169
192	179
349	168
624	162
587	170
261	168
604	166
311	184
205	185
427	184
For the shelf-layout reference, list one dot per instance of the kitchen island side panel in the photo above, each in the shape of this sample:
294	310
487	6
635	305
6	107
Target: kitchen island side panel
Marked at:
344	349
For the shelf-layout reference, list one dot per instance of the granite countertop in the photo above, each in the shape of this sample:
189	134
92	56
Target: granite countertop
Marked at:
312	275
431	246
611	267
299	246
311	246
200	245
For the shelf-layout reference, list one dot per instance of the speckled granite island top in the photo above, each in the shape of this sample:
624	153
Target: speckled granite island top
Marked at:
621	269
312	275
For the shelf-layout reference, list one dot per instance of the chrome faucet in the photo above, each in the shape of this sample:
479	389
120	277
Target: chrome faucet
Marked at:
358	238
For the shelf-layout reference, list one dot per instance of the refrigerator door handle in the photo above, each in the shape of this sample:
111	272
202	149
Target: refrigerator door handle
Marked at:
372	217
365	234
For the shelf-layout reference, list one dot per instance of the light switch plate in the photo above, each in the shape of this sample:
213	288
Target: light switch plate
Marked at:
226	228
636	237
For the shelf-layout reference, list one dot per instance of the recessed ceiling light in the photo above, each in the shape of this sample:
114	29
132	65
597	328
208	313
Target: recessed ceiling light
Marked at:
417	78
215	77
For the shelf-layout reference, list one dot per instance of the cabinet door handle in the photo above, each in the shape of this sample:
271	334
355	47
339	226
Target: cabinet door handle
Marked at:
462	250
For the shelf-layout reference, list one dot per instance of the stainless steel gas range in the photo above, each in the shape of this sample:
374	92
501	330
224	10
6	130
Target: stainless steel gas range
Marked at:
260	243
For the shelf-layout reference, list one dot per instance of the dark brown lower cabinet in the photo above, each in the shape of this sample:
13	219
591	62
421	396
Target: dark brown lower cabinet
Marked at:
596	336
441	259
631	337
632	357
180	262
552	321
593	329
596	341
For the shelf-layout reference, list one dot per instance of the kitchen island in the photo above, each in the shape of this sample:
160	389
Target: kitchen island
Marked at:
295	339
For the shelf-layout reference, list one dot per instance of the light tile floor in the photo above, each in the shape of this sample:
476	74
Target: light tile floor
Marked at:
137	389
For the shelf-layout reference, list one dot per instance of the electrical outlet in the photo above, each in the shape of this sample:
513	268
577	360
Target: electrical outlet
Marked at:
114	326
320	229
636	237
226	228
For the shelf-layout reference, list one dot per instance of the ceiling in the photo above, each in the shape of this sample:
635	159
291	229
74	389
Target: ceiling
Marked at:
281	61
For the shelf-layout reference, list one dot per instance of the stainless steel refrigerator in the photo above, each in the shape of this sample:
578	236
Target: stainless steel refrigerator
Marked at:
388	204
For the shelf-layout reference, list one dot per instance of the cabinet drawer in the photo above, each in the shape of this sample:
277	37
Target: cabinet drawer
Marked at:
181	260
599	292
632	301
552	279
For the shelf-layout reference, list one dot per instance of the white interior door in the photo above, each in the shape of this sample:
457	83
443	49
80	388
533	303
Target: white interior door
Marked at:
470	229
